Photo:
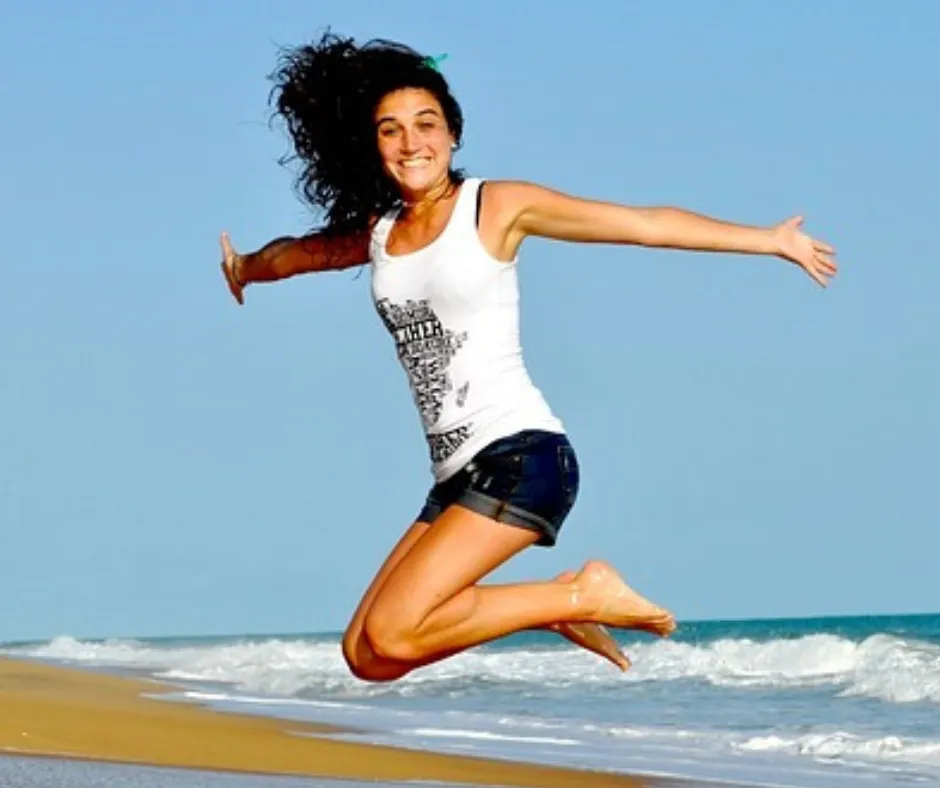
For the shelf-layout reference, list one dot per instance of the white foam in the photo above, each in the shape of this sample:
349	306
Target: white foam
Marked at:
479	735
896	671
821	745
883	667
839	745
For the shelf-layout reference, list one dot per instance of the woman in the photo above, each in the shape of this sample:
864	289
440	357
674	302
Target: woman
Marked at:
375	127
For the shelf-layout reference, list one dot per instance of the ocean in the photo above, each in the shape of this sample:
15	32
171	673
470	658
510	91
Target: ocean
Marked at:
796	702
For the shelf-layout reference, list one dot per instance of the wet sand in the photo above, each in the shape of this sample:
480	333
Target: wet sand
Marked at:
75	714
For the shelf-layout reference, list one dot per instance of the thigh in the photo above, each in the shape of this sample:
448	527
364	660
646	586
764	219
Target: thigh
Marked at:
410	538
438	499
514	493
459	550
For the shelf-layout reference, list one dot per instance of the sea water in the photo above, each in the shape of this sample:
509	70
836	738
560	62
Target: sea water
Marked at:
801	702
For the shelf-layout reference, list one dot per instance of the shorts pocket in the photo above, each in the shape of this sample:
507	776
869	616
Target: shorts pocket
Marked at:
569	473
498	474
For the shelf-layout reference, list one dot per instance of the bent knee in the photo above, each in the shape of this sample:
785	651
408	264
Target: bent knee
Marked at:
355	654
365	664
390	638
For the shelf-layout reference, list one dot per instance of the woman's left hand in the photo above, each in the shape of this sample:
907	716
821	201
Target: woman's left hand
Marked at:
229	260
812	255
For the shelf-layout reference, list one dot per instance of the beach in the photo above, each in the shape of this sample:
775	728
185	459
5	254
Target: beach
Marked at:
820	703
74	714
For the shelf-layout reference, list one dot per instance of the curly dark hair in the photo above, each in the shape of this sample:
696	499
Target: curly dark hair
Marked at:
326	92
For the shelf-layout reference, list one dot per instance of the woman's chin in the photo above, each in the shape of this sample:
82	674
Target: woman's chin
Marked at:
416	185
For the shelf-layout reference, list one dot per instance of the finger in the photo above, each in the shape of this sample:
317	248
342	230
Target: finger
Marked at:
823	247
796	221
233	286
227	251
826	262
817	276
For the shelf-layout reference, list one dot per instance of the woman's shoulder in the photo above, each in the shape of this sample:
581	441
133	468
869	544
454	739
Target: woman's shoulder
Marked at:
507	198
510	190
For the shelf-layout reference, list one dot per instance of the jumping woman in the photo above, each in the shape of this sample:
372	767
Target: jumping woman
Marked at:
375	127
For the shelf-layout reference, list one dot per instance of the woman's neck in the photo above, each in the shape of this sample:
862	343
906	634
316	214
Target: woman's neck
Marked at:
426	202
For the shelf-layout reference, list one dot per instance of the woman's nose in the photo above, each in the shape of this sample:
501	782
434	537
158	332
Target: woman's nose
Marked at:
408	141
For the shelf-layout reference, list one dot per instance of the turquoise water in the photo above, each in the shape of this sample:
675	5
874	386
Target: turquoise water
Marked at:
827	701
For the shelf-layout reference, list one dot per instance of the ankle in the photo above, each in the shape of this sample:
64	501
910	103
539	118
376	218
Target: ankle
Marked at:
586	599
582	607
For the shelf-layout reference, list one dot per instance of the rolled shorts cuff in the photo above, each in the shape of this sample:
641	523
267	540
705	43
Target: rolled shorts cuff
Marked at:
504	512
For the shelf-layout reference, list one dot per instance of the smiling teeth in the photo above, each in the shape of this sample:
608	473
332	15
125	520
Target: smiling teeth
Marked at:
415	162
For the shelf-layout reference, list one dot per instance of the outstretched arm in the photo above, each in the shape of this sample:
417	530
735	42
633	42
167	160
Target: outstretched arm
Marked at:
289	256
537	211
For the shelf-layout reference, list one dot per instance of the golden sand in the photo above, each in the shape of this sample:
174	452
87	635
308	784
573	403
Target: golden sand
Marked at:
80	714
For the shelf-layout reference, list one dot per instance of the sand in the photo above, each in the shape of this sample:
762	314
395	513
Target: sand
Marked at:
54	711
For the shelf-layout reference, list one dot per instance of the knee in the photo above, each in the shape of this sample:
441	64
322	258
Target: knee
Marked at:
360	657
354	654
363	661
391	638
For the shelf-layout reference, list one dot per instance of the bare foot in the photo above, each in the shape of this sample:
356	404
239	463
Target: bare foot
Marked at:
612	602
592	637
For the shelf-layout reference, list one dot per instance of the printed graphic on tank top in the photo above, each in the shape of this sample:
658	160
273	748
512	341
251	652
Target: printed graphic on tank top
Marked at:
453	313
425	348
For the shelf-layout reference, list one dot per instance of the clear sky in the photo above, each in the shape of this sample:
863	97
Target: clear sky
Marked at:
751	445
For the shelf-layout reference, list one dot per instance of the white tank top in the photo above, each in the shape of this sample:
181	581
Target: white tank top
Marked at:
453	312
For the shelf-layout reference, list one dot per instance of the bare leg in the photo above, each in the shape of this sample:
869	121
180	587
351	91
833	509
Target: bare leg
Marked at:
362	660
592	637
430	604
367	665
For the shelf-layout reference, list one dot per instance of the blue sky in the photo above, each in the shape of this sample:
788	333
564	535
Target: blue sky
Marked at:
751	445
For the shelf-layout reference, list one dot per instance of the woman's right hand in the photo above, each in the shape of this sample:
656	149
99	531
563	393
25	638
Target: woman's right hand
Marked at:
230	259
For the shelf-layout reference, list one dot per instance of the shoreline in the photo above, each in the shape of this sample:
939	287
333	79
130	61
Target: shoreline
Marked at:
74	714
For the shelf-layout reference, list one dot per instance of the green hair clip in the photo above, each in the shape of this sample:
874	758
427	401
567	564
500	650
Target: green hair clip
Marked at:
435	62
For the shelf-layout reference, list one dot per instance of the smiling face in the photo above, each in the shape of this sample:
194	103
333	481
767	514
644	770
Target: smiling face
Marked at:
414	141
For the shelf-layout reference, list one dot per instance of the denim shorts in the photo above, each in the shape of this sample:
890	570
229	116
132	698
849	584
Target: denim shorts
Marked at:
529	479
